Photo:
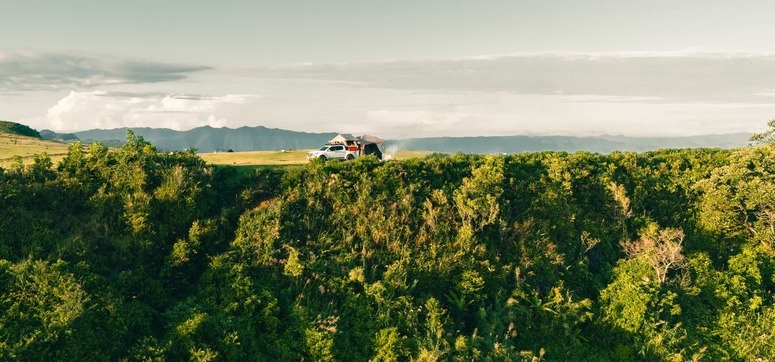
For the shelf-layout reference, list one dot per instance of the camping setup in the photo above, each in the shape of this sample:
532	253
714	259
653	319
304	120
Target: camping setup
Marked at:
371	145
357	146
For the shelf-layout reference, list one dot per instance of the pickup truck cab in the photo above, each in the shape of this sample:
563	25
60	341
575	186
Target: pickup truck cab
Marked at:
333	152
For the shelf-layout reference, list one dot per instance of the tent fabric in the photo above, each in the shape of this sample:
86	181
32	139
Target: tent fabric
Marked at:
369	139
372	149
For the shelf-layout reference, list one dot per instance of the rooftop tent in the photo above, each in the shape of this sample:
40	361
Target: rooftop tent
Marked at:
366	144
343	138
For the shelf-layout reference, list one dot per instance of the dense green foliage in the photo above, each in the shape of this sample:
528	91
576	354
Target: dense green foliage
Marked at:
17	129
135	254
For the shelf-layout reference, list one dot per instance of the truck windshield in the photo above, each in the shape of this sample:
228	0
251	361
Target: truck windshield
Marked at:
323	148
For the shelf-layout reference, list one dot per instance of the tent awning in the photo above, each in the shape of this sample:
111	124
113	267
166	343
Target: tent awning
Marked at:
368	139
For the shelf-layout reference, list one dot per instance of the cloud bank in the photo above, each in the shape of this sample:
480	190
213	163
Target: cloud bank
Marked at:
635	94
666	77
28	71
99	109
654	94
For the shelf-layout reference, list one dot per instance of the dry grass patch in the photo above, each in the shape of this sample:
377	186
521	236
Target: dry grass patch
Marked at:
27	147
256	158
405	155
273	158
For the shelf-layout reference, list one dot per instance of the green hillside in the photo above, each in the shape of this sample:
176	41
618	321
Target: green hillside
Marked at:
19	140
136	254
14	128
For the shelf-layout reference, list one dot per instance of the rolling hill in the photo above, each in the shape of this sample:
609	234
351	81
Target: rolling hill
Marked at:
19	140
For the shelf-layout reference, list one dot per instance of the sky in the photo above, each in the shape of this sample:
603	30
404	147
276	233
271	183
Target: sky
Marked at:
397	69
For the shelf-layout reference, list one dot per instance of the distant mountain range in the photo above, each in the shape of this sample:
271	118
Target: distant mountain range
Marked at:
209	139
601	144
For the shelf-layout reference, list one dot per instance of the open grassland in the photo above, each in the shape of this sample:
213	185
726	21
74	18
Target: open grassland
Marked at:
27	147
256	158
405	155
277	158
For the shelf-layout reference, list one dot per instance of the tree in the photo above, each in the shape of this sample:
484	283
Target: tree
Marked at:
39	306
737	201
661	249
477	199
767	136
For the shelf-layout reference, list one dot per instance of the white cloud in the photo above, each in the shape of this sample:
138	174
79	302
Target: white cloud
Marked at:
99	109
511	114
217	122
189	104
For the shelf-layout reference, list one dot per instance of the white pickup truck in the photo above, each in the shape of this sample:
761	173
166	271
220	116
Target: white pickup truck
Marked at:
334	152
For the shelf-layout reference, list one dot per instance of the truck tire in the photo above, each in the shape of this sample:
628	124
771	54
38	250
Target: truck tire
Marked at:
323	158
350	157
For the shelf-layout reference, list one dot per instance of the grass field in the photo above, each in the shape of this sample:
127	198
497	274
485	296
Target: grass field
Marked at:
256	158
278	158
27	148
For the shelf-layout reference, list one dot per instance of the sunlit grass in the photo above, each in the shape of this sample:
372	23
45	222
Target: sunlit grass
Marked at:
256	158
405	155
27	147
277	158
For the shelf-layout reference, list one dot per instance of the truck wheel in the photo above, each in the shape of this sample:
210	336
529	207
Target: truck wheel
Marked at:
350	157
323	158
